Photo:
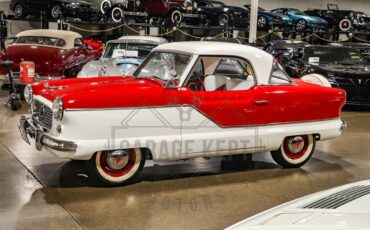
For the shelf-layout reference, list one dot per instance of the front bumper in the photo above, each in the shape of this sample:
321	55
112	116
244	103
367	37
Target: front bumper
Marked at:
28	128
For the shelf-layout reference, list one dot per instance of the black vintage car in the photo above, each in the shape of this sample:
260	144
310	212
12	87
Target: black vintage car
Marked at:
56	9
343	67
219	14
343	20
123	11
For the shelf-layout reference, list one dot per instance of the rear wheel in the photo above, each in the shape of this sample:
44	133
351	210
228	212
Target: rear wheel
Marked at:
56	12
117	15
262	22
176	17
19	11
105	6
295	151
116	167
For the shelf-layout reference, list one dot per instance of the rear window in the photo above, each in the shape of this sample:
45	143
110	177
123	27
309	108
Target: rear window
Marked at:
39	40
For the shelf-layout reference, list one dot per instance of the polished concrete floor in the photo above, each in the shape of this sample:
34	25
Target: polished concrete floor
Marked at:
40	191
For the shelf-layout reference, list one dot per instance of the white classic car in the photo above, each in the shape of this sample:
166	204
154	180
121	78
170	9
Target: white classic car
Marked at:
121	56
186	100
345	207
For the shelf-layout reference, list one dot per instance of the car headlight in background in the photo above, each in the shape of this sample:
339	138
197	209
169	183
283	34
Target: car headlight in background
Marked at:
73	5
28	94
58	108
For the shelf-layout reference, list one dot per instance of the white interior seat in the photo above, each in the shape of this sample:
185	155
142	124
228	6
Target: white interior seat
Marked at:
239	84
214	82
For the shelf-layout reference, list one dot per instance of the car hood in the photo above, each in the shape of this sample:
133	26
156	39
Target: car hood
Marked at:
344	69
344	207
42	56
101	92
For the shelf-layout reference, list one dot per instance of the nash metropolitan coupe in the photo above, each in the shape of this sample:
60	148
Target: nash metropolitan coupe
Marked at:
186	100
121	56
56	53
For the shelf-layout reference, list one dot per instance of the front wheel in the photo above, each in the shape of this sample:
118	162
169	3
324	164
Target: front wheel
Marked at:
176	17
223	20
56	12
262	22
301	25
345	25
19	11
116	167
295	151
117	15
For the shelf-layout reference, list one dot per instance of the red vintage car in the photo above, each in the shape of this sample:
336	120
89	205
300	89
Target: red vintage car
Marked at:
56	53
186	100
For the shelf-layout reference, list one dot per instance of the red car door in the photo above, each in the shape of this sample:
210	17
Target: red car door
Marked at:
222	106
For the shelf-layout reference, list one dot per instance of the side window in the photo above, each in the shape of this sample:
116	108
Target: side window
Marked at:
202	4
78	42
278	76
221	74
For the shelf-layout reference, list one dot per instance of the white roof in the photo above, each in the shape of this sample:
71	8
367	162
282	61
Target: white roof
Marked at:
148	39
344	207
68	36
260	60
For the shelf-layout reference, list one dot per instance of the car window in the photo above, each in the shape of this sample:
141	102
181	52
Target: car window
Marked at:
78	42
278	75
203	4
116	50
221	74
40	40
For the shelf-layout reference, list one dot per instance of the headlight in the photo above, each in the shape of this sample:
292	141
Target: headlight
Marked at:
28	94
58	109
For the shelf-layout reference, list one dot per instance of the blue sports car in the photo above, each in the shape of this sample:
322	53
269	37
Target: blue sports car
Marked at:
267	20
301	20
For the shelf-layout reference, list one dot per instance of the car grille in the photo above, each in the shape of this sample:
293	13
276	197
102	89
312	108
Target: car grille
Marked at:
341	198
42	114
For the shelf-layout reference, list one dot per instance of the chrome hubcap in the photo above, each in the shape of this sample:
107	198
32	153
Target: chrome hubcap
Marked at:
55	11
261	22
296	144
301	25
223	20
117	159
117	15
18	10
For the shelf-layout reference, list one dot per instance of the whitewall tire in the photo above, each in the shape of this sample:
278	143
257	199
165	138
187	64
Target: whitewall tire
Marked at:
117	15
345	25
295	151
176	17
105	6
116	167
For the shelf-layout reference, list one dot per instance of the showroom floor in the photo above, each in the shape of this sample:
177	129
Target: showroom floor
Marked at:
42	191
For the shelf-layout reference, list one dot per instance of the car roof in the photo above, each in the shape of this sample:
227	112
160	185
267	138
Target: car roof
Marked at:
68	36
260	60
141	39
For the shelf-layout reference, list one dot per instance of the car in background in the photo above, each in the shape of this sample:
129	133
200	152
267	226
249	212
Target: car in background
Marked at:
121	56
334	66
121	11
363	48
219	14
281	48
56	53
342	20
301	21
343	207
269	20
56	9
95	44
193	93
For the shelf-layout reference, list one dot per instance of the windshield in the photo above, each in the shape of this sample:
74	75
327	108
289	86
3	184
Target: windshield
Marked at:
164	66
116	50
217	4
39	40
336	55
296	12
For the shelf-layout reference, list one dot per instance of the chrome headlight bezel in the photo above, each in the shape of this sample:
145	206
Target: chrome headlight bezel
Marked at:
28	94
58	109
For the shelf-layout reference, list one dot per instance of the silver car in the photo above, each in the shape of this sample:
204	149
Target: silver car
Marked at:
121	56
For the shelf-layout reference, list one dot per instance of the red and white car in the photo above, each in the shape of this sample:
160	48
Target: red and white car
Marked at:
186	100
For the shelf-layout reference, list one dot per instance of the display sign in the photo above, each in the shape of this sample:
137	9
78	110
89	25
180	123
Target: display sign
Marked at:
125	53
314	60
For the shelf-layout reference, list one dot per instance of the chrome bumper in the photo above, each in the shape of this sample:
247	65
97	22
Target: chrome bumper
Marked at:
28	128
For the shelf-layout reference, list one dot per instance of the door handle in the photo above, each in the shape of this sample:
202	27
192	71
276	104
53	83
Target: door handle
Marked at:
261	102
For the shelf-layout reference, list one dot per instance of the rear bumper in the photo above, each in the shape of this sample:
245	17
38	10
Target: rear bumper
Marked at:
28	128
